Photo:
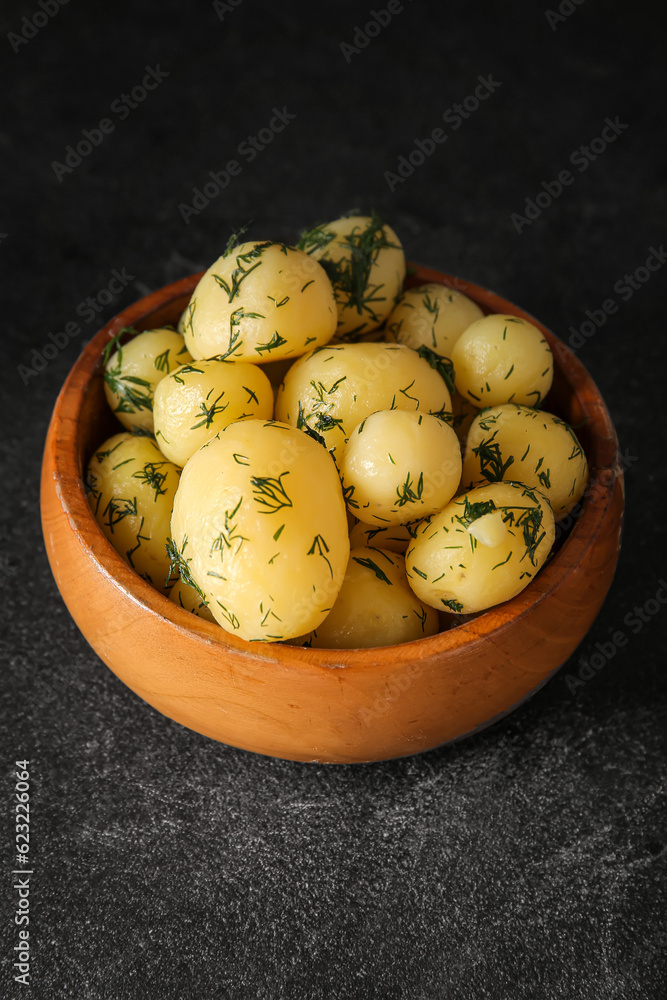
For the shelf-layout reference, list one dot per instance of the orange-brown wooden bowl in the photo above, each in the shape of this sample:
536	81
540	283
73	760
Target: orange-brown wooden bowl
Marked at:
325	705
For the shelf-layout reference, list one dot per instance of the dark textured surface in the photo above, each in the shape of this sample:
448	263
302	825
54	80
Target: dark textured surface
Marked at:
528	861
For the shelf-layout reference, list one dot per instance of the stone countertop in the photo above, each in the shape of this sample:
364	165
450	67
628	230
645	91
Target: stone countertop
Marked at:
525	862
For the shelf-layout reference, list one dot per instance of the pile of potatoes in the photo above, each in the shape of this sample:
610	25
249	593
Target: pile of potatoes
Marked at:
319	456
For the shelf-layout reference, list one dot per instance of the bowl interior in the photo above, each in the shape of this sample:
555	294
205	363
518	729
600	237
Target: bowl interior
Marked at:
573	396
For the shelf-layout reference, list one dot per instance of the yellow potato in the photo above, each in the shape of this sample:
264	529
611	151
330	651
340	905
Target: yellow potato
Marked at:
190	599
375	606
330	391
400	465
260	302
432	316
135	368
502	359
366	264
531	446
394	537
259	525
482	549
131	487
196	401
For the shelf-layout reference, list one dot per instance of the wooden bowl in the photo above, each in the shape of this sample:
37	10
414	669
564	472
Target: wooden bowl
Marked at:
338	706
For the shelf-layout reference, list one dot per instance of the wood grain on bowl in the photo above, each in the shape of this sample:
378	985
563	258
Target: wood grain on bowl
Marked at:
339	706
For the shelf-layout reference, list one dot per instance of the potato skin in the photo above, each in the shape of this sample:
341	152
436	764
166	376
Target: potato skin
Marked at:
331	390
197	400
449	568
502	359
366	264
136	368
260	302
531	446
259	522
375	606
131	487
432	316
400	465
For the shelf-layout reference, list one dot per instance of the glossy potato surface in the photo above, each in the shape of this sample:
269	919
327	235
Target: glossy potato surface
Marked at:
375	606
331	390
260	526
482	549
502	359
531	446
134	370
260	302
400	465
366	264
197	400
131	487
432	316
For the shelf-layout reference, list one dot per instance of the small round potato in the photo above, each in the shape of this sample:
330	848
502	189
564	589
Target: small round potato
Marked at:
190	599
196	401
366	264
394	537
135	369
502	359
432	316
482	549
260	302
131	488
400	465
259	525
330	391
375	606
531	446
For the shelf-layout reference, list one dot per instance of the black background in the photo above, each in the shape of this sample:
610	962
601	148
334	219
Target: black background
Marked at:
527	861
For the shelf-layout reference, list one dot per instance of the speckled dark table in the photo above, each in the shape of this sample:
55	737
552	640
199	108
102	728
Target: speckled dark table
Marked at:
526	862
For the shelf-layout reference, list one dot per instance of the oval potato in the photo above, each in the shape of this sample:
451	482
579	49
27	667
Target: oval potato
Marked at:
135	369
197	400
375	606
531	446
400	465
432	316
502	359
260	302
330	391
366	264
259	524
131	487
484	548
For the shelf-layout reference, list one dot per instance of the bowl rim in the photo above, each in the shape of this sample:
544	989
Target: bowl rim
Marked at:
604	470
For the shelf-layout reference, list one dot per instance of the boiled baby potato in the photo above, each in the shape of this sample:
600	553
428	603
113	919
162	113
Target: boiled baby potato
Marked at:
134	369
259	525
394	537
531	446
375	606
260	302
432	316
482	549
366	264
190	599
197	400
400	465
131	488
502	359
330	391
